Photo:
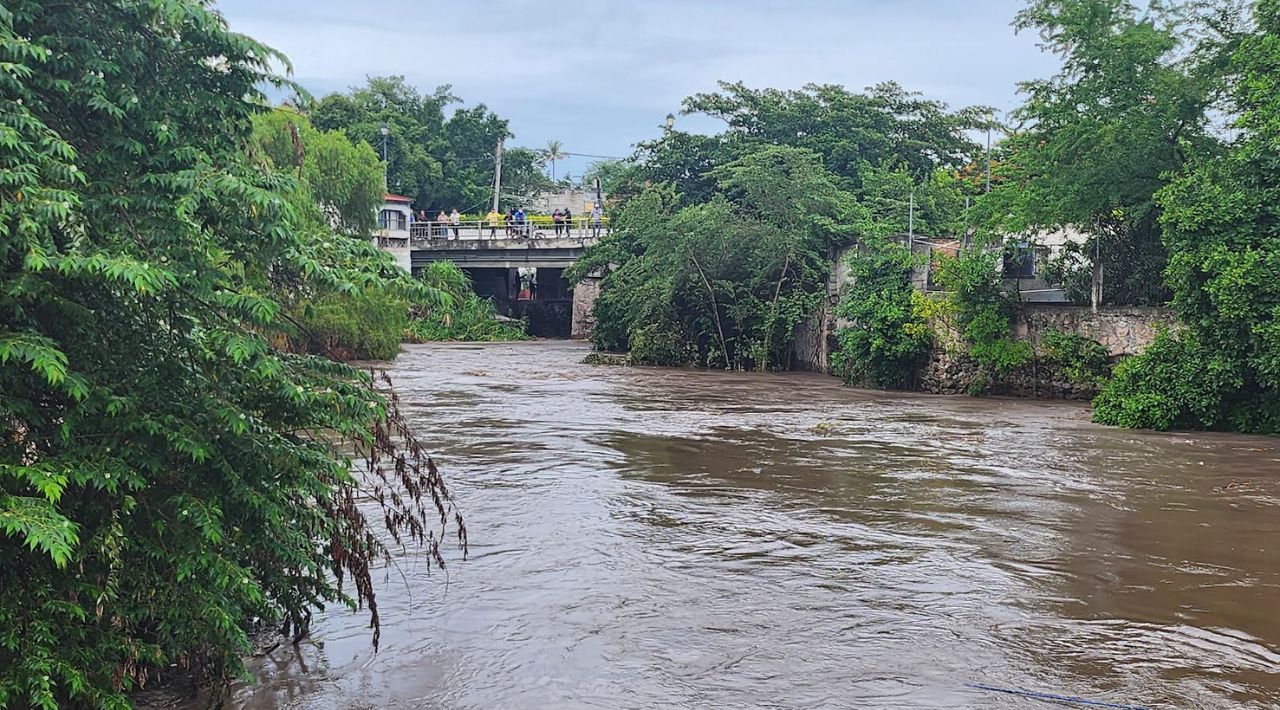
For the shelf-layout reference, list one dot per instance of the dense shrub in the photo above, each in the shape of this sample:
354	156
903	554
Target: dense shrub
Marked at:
723	283
1082	360
1222	230
887	338
459	315
1179	383
983	310
364	325
169	475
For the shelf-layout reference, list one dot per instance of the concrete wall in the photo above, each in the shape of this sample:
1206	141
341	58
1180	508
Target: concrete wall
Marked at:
402	256
584	298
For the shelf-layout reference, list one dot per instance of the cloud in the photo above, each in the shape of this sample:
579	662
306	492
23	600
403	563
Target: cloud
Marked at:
601	75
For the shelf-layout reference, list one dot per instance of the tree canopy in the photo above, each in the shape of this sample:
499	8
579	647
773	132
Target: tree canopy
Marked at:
1100	138
885	128
442	162
1221	226
723	283
168	470
725	249
342	179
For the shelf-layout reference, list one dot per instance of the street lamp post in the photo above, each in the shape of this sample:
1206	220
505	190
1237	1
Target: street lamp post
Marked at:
385	131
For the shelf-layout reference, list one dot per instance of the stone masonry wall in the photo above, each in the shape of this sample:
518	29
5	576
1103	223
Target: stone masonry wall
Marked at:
1122	331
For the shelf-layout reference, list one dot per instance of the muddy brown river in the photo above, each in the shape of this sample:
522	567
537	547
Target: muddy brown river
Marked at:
654	538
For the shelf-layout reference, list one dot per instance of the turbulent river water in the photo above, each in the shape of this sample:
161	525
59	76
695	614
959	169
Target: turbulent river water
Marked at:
645	538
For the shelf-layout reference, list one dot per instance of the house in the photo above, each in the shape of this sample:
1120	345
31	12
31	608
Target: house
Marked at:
394	220
1021	267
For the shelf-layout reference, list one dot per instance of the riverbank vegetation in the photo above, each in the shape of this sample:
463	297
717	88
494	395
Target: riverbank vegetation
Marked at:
728	253
1150	151
1221	368
335	193
171	471
888	335
461	316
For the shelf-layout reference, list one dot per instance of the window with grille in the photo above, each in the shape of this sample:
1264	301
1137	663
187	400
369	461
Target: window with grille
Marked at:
1020	261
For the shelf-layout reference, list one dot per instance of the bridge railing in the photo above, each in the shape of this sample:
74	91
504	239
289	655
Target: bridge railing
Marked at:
576	228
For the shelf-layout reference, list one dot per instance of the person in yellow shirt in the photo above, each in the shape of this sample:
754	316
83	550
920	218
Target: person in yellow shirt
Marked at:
494	218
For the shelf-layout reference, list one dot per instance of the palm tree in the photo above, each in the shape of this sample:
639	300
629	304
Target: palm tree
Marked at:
553	152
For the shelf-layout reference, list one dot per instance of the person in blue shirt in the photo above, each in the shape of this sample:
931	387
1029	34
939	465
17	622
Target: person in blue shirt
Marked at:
520	223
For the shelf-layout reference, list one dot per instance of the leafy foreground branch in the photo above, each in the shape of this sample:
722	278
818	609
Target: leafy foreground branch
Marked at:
170	472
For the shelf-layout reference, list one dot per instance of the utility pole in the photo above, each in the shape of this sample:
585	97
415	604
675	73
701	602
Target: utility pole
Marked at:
497	174
989	156
1096	286
911	220
386	131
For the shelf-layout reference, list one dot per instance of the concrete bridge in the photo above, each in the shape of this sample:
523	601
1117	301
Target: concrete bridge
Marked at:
500	252
520	267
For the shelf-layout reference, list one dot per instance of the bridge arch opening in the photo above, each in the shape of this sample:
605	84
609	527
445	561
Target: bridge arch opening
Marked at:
538	295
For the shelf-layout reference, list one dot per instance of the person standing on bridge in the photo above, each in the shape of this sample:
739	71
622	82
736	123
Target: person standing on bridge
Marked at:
442	223
557	218
494	218
520	220
567	217
597	219
455	219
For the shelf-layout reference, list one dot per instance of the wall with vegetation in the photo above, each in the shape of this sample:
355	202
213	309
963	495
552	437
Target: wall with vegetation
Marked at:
1072	349
1073	352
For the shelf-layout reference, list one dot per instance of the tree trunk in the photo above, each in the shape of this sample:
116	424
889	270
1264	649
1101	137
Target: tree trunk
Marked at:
715	312
773	315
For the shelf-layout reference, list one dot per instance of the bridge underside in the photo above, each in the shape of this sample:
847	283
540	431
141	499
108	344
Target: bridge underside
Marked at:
499	253
524	277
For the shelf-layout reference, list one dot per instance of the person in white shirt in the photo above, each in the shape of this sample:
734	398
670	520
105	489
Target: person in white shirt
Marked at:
597	218
455	219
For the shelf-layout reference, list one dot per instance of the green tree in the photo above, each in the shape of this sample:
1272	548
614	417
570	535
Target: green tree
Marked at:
442	162
723	283
885	125
887	337
619	179
343	179
1221	369
168	473
1127	109
553	152
465	316
982	307
415	144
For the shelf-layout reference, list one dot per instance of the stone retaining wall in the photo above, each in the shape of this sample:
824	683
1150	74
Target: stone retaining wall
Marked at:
1122	331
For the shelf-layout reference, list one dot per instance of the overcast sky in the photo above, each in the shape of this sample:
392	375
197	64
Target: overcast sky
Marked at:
601	75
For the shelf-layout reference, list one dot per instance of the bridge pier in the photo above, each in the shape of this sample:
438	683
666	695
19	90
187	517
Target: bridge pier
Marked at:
584	299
